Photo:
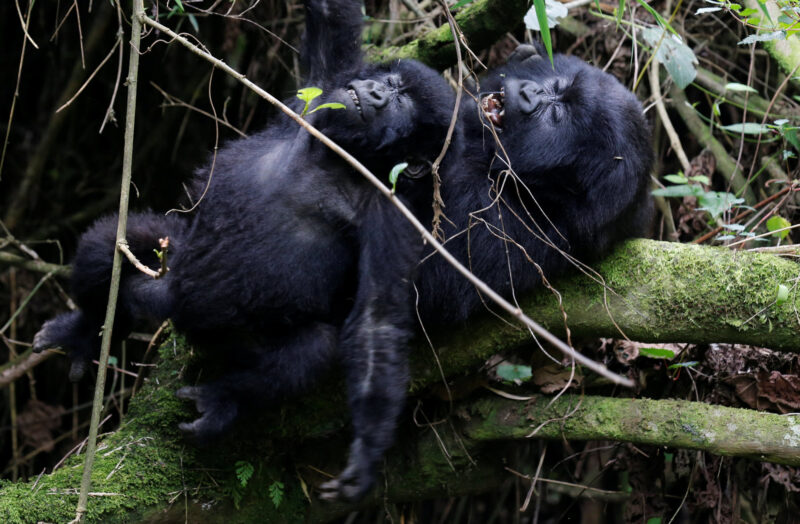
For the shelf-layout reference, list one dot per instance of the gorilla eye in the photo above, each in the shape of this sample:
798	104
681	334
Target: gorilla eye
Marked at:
417	169
394	81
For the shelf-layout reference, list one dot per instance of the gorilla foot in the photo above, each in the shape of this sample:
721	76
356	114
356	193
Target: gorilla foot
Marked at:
355	481
49	336
218	411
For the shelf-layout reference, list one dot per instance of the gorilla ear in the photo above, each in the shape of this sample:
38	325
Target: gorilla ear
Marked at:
526	54
417	169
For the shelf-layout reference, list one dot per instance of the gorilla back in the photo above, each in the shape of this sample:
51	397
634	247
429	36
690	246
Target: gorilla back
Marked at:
292	260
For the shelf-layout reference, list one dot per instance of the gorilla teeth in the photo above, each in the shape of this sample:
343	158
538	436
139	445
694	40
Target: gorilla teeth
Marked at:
357	103
492	106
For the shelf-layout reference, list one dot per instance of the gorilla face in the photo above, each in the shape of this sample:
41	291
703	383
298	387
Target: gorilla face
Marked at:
396	112
570	116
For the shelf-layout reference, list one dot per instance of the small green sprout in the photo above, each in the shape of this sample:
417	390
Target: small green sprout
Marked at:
307	94
395	174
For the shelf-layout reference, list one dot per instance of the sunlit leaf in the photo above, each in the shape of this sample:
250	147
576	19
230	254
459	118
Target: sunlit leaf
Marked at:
394	174
748	128
783	294
688	364
704	10
328	105
764	37
678	191
735	86
677	57
307	94
656	353
776	222
676	179
513	372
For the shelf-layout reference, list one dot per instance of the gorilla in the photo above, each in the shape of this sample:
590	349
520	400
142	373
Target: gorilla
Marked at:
292	259
565	179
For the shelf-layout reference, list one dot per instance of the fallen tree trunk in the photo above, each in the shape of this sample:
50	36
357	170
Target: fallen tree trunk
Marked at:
658	292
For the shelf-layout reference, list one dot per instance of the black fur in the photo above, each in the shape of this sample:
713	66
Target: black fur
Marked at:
571	179
292	260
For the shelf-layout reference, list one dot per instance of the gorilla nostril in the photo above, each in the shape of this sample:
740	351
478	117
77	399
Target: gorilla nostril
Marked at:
377	93
530	95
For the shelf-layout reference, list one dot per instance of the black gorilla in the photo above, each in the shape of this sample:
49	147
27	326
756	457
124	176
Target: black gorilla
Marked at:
568	179
292	256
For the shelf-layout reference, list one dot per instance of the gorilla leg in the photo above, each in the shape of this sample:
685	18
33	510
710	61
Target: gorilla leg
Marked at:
374	344
140	295
285	369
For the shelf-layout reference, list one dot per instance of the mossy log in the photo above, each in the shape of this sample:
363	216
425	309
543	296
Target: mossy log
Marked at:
482	22
146	471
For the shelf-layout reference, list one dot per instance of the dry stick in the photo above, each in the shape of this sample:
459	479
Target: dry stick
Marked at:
21	365
9	259
105	345
16	88
438	204
478	283
163	243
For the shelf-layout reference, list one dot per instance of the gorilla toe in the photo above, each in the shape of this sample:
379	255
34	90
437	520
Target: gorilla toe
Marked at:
218	412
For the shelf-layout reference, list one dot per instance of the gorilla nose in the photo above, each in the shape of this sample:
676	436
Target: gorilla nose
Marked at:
376	94
530	96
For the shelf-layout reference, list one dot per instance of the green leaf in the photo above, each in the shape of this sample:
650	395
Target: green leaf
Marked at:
678	191
657	353
328	105
276	493
716	202
791	136
179	4
776	222
244	471
783	294
676	179
193	21
748	128
763	37
540	8
677	57
461	3
735	86
688	364
655	520
514	372
395	173
702	179
734	227
307	94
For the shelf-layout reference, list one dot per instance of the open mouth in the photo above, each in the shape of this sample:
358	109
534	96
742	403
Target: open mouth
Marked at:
356	101
492	106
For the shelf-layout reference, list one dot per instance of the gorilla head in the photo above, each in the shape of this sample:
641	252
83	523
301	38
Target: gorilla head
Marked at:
566	116
566	177
395	112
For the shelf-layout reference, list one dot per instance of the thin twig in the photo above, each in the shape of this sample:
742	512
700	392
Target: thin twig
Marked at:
163	244
16	87
116	268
